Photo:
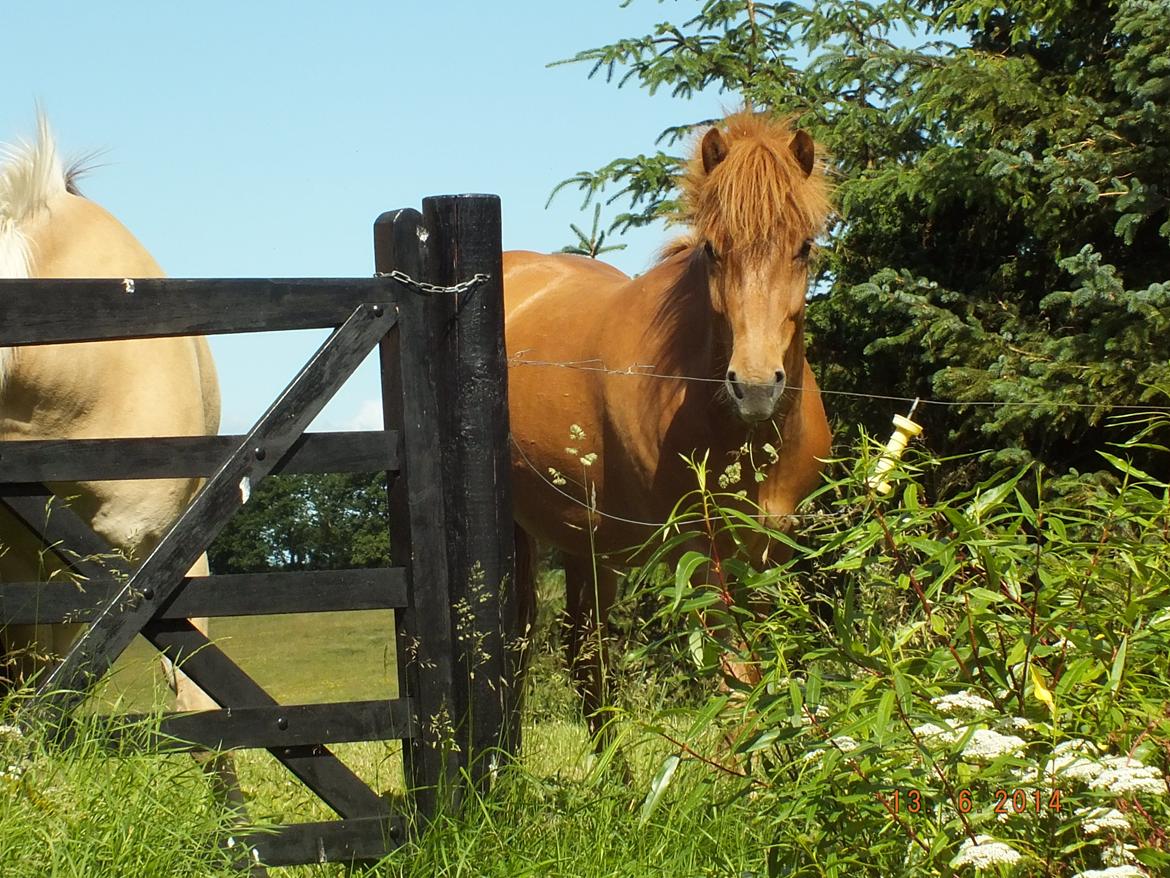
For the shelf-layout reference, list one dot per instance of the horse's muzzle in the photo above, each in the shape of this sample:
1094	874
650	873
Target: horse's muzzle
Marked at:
755	400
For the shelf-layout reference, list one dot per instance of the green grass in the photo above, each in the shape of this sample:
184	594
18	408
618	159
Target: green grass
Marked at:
79	813
83	814
537	823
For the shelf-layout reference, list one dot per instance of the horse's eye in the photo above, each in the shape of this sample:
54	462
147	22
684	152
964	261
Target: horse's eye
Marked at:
710	251
805	250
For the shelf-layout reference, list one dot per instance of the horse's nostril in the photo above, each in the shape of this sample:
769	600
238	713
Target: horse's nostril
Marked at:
735	388
779	376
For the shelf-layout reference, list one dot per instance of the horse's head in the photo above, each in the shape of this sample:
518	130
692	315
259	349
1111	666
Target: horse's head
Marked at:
756	200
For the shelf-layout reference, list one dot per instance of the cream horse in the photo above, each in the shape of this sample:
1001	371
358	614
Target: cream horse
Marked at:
146	387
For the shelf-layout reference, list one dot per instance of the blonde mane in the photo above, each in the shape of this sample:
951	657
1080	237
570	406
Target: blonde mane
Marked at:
758	195
31	175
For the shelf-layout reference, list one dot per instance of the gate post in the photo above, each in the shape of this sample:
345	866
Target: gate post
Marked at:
444	377
411	377
477	476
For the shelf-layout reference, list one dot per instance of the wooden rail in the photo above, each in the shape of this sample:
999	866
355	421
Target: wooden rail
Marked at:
445	454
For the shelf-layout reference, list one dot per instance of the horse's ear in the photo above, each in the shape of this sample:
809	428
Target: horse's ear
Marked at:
806	153
714	150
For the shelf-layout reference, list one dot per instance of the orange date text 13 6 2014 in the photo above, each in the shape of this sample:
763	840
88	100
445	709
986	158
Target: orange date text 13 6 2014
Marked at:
1017	801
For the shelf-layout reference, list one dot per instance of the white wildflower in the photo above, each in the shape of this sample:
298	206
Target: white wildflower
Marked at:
1112	872
845	744
1123	776
1113	762
1074	768
984	853
1018	723
1097	820
1072	760
11	732
935	732
960	702
731	475
1075	745
809	715
987	745
1119	854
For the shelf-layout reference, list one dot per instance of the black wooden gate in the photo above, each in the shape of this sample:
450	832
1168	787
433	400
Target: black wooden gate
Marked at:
435	311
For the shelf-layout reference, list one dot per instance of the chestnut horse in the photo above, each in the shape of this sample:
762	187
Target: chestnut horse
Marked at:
140	387
695	357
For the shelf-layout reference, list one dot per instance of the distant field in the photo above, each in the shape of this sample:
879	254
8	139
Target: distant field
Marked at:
298	659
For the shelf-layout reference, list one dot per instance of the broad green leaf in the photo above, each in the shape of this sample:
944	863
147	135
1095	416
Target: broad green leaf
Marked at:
1124	466
1117	669
658	786
687	565
986	501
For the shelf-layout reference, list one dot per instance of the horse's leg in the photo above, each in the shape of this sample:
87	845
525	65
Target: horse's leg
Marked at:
739	662
525	595
589	593
188	696
221	767
28	650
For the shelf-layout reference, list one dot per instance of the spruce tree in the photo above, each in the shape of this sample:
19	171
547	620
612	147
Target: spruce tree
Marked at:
1003	185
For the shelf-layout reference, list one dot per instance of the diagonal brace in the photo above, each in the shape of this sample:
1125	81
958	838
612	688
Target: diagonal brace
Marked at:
161	574
218	676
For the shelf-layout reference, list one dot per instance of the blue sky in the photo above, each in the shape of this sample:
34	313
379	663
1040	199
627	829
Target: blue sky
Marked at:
261	139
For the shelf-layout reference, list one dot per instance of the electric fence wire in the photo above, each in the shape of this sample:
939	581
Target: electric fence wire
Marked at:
641	370
646	371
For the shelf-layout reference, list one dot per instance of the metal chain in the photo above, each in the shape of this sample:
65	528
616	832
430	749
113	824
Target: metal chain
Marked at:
434	289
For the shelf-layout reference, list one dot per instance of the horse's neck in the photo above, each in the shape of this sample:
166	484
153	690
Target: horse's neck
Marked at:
687	412
676	310
691	414
69	237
